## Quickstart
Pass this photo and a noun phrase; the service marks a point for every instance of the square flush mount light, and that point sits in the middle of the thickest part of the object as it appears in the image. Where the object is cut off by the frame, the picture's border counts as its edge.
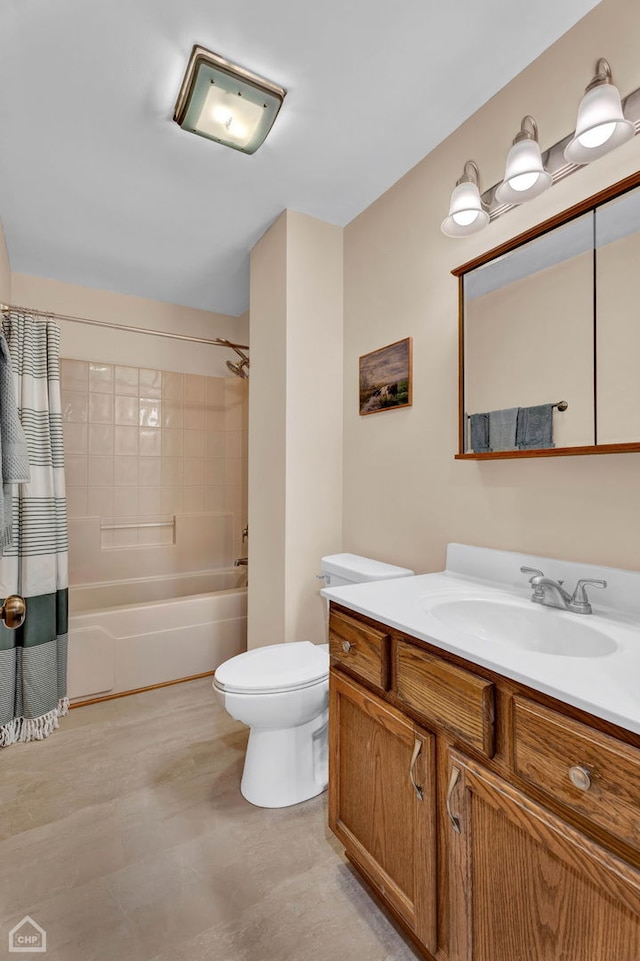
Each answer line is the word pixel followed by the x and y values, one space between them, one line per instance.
pixel 226 103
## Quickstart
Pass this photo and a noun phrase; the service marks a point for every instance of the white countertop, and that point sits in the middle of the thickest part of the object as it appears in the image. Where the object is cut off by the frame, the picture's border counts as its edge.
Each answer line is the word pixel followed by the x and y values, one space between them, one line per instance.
pixel 607 686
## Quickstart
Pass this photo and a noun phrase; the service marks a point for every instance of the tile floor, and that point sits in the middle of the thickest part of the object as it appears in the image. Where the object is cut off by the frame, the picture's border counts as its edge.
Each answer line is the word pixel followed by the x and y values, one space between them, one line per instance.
pixel 125 836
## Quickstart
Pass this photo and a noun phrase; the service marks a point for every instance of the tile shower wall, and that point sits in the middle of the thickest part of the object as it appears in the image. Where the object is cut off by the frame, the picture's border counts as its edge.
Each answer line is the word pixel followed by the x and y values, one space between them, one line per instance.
pixel 145 445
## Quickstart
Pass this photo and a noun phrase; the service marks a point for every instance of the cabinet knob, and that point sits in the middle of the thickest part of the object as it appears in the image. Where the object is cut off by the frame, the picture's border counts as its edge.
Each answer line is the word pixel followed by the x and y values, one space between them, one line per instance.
pixel 346 646
pixel 580 777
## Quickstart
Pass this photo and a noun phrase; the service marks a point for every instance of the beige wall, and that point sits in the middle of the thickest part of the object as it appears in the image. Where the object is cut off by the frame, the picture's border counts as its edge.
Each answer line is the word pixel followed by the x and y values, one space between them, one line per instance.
pixel 314 416
pixel 5 271
pixel 295 425
pixel 405 496
pixel 83 342
pixel 267 438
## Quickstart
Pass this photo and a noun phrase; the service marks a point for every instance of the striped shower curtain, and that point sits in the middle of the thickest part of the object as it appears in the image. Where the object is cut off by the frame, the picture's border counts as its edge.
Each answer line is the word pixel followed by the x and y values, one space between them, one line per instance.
pixel 33 659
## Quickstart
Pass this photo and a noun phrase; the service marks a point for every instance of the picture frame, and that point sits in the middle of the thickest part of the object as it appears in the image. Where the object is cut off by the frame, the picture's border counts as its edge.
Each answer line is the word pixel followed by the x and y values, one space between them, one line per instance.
pixel 385 381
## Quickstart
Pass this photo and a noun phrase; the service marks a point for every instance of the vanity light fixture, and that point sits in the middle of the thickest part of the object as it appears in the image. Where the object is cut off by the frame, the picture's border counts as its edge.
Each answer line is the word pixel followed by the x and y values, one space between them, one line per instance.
pixel 601 125
pixel 466 210
pixel 226 103
pixel 525 176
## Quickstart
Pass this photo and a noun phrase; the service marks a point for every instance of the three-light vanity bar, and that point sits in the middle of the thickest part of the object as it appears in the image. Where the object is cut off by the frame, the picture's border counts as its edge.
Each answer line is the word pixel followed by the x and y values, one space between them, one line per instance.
pixel 604 122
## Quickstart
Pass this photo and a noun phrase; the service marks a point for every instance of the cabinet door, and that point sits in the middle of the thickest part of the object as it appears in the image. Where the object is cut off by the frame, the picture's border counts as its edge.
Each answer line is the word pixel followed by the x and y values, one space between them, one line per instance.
pixel 381 800
pixel 525 885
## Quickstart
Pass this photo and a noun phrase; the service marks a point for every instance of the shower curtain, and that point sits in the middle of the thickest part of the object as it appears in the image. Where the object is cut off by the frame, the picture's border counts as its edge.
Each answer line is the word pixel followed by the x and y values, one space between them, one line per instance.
pixel 33 659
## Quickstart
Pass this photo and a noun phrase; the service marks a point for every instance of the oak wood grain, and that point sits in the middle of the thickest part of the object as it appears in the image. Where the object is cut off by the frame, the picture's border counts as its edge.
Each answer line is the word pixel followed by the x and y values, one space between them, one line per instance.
pixel 447 696
pixel 85 702
pixel 552 451
pixel 373 807
pixel 462 420
pixel 546 745
pixel 359 648
pixel 526 885
pixel 535 874
pixel 361 869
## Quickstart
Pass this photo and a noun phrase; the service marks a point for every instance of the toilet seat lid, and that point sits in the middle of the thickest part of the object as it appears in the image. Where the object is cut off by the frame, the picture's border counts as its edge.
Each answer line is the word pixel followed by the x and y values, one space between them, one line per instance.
pixel 280 667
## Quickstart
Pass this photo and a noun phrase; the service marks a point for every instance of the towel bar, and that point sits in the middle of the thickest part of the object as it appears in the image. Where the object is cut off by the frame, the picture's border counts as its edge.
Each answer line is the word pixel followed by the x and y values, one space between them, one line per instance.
pixel 562 405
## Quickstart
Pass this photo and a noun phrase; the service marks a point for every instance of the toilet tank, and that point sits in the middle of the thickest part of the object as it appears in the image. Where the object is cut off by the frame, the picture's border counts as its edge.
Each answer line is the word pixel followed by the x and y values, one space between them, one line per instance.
pixel 338 569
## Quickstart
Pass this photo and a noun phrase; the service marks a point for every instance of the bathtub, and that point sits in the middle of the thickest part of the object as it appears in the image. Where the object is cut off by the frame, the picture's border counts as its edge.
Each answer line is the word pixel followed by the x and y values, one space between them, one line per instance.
pixel 127 635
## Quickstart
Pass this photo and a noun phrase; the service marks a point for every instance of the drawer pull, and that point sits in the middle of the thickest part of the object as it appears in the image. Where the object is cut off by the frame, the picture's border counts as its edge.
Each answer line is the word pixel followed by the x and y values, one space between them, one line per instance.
pixel 347 646
pixel 453 780
pixel 580 777
pixel 417 747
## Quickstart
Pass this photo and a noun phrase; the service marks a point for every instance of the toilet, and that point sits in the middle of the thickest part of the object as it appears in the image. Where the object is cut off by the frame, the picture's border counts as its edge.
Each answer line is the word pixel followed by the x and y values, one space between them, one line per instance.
pixel 282 693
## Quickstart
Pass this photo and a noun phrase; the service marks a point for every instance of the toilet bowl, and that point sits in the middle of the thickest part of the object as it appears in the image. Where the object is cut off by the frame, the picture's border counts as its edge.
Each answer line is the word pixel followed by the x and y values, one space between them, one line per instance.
pixel 282 693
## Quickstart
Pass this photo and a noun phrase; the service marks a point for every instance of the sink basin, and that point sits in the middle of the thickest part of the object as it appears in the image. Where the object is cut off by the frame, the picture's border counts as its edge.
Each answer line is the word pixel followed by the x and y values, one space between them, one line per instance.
pixel 523 625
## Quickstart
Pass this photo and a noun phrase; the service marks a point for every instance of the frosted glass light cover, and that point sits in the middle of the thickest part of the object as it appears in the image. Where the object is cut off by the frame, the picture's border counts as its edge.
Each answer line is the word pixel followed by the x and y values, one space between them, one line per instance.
pixel 228 118
pixel 600 127
pixel 524 176
pixel 226 103
pixel 466 214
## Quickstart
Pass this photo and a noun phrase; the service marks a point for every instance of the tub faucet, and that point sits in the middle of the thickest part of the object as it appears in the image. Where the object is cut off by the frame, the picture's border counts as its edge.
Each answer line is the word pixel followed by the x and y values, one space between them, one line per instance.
pixel 241 562
pixel 552 594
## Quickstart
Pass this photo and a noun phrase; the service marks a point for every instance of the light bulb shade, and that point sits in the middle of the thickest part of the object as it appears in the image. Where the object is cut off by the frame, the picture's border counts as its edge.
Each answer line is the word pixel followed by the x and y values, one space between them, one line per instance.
pixel 226 103
pixel 466 213
pixel 600 127
pixel 524 176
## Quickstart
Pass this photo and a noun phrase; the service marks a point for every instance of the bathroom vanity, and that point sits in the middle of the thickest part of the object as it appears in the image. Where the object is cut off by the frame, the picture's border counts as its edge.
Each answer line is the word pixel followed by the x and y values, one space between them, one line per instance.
pixel 489 791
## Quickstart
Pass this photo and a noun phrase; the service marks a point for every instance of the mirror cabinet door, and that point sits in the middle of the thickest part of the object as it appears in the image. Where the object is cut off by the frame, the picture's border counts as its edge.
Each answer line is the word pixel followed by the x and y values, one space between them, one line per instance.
pixel 529 344
pixel 617 237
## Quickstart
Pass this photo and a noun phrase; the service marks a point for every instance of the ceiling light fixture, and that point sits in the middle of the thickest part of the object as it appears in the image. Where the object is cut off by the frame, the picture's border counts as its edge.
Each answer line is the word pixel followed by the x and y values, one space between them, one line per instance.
pixel 226 103
pixel 466 211
pixel 524 176
pixel 601 126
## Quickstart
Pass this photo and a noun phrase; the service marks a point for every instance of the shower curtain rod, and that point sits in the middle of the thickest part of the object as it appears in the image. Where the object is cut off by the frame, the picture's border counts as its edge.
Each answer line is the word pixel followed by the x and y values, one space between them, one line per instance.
pixel 215 342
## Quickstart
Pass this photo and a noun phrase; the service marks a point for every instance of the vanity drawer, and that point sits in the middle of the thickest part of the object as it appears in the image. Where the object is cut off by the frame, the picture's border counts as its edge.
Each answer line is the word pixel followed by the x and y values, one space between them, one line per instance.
pixel 590 772
pixel 446 695
pixel 360 648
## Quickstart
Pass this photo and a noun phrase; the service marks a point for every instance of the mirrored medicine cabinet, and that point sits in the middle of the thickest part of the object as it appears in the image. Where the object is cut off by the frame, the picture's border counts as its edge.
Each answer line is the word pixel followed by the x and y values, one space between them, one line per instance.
pixel 549 328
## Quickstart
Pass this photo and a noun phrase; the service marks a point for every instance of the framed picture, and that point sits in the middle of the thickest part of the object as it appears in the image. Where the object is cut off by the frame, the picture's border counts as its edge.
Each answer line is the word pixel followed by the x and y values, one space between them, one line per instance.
pixel 385 378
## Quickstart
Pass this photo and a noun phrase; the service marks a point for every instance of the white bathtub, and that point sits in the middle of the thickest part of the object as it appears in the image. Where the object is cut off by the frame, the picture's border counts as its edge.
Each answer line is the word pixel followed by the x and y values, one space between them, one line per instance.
pixel 127 635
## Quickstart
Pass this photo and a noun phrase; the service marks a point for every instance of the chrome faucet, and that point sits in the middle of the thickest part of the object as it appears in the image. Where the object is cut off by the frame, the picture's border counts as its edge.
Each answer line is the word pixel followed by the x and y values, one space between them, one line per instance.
pixel 552 594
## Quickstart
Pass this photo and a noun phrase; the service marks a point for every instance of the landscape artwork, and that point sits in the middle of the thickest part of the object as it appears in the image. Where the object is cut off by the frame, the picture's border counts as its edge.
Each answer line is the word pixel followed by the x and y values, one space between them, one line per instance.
pixel 385 378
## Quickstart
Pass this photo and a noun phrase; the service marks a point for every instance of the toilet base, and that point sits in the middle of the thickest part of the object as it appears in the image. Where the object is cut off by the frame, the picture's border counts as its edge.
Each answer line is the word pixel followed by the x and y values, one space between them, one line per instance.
pixel 285 767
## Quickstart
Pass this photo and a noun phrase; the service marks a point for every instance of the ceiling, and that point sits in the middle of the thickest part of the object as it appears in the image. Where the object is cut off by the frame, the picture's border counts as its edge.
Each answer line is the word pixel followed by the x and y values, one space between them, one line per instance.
pixel 99 187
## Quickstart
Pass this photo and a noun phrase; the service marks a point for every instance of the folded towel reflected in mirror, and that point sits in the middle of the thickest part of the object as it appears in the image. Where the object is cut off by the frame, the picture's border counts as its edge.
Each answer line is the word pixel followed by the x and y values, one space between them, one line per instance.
pixel 479 433
pixel 514 428
pixel 502 428
pixel 535 427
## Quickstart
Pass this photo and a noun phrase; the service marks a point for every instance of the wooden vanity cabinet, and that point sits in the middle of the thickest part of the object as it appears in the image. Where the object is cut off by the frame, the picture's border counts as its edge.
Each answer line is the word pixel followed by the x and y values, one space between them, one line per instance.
pixel 525 843
pixel 526 886
pixel 382 801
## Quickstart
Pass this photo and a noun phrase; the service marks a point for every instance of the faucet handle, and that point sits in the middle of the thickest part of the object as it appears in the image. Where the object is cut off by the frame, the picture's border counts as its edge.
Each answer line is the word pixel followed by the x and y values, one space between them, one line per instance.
pixel 580 602
pixel 538 591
